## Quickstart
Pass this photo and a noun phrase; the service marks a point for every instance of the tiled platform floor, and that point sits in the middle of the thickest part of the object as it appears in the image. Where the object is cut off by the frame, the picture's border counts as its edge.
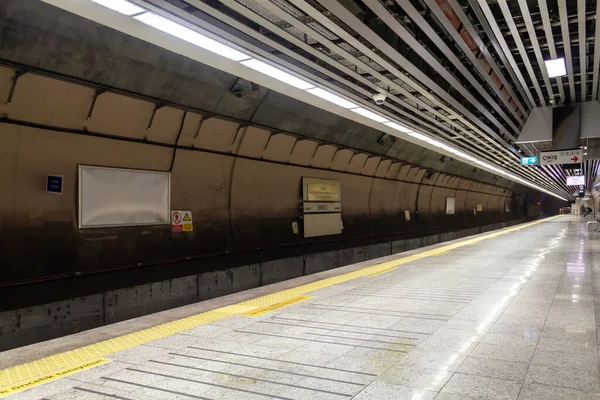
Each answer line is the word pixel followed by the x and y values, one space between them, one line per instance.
pixel 512 317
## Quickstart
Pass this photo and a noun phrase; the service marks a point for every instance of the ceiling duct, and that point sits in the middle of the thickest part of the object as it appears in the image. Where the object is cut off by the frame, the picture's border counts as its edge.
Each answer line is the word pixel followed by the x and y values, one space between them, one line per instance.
pixel 564 126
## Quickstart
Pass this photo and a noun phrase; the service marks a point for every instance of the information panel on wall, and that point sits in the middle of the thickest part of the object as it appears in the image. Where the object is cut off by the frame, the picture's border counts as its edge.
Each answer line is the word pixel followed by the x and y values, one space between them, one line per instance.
pixel 112 197
pixel 322 207
pixel 450 202
pixel 321 190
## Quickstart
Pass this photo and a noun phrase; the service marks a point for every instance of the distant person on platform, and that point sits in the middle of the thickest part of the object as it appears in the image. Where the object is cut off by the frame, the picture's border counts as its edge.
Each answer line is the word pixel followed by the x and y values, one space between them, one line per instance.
pixel 588 211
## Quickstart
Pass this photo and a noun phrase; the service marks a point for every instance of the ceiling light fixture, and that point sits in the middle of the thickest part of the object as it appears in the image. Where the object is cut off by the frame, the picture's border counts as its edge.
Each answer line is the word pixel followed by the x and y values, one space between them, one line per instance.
pixel 193 37
pixel 397 127
pixel 122 6
pixel 556 67
pixel 333 98
pixel 277 74
pixel 369 114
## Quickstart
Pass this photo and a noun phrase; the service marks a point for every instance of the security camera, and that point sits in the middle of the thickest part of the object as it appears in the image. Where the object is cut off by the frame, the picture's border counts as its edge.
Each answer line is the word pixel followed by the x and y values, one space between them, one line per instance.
pixel 379 98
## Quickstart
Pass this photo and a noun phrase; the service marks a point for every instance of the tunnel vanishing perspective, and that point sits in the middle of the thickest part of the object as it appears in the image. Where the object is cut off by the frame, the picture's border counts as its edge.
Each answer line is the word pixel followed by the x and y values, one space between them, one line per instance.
pixel 298 199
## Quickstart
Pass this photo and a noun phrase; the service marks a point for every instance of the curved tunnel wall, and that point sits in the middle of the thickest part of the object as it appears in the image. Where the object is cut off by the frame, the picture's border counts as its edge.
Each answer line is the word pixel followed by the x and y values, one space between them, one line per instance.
pixel 242 183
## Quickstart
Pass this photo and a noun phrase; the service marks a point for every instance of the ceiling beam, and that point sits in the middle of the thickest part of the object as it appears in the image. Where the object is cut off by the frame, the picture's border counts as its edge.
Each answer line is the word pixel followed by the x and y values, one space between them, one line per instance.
pixel 596 55
pixel 517 38
pixel 536 47
pixel 582 48
pixel 564 27
pixel 488 57
pixel 496 36
pixel 414 14
pixel 551 46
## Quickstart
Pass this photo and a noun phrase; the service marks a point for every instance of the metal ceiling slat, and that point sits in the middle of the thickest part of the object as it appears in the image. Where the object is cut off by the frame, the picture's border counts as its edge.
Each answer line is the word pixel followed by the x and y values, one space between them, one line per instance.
pixel 267 55
pixel 440 43
pixel 343 53
pixel 249 14
pixel 484 50
pixel 358 26
pixel 381 46
pixel 517 38
pixel 351 21
pixel 582 48
pixel 536 46
pixel 596 54
pixel 551 47
pixel 504 50
pixel 344 35
pixel 564 26
pixel 408 38
pixel 273 28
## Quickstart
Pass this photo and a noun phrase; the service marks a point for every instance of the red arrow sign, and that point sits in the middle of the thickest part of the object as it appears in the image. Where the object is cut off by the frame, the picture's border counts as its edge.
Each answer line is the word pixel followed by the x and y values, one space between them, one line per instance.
pixel 575 159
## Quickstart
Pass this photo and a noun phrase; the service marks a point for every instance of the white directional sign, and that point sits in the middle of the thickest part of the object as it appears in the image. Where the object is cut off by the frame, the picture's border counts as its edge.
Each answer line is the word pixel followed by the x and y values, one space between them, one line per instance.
pixel 561 157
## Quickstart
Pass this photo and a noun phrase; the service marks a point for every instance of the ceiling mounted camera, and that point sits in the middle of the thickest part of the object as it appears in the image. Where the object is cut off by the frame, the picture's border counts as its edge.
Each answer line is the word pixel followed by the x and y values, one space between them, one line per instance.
pixel 379 98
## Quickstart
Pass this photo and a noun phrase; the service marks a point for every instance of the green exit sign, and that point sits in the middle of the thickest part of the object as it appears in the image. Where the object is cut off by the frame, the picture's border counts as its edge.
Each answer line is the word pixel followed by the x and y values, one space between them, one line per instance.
pixel 529 161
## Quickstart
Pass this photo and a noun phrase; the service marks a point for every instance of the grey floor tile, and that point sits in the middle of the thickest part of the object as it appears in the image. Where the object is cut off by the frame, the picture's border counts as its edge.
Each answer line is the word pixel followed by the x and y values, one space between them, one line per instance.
pixel 419 378
pixel 513 352
pixel 430 360
pixel 510 339
pixel 175 342
pixel 482 387
pixel 571 346
pixel 569 334
pixel 469 325
pixel 526 331
pixel 510 370
pixel 385 391
pixel 373 366
pixel 566 377
pixel 522 320
pixel 138 354
pixel 546 392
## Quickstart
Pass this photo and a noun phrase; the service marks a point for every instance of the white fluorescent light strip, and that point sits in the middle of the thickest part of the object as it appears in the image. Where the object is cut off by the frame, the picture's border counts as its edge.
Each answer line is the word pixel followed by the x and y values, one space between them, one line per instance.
pixel 333 98
pixel 369 114
pixel 434 142
pixel 277 74
pixel 397 127
pixel 121 6
pixel 556 67
pixel 193 37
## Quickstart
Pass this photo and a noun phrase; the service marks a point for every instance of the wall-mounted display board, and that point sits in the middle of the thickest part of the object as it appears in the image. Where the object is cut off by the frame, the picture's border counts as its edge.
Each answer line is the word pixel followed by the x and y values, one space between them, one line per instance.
pixel 112 197
pixel 450 203
pixel 322 207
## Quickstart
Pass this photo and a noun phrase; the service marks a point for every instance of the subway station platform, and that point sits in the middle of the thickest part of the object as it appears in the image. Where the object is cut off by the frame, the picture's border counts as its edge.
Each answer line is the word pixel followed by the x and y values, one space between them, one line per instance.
pixel 503 315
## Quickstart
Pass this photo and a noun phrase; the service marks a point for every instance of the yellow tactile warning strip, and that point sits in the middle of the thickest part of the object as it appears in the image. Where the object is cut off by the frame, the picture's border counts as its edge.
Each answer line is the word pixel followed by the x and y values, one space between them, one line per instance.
pixel 382 272
pixel 50 377
pixel 34 370
pixel 276 306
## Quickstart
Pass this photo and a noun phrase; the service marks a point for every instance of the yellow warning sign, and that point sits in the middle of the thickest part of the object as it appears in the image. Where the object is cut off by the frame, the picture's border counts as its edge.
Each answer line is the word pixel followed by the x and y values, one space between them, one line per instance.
pixel 182 221
pixel 276 306
pixel 50 377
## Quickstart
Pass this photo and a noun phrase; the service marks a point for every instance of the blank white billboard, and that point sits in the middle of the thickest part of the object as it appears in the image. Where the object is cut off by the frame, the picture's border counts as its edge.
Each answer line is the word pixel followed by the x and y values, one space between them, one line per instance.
pixel 111 197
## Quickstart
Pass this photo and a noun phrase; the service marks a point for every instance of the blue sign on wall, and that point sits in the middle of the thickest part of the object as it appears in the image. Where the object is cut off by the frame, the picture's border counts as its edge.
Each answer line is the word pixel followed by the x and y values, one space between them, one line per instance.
pixel 54 184
pixel 529 161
